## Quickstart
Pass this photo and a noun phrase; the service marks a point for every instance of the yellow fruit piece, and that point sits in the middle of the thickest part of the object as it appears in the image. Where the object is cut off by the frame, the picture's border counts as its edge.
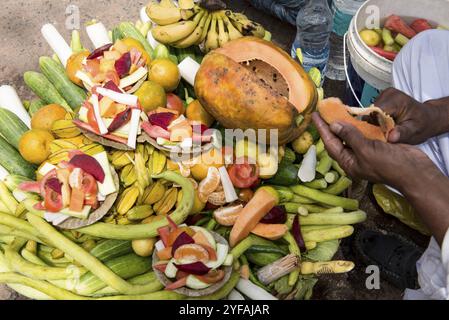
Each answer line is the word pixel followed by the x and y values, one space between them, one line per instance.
pixel 128 175
pixel 78 141
pixel 198 205
pixel 163 206
pixel 302 144
pixel 144 247
pixel 370 37
pixel 154 193
pixel 92 149
pixel 75 64
pixel 152 219
pixel 62 155
pixel 60 144
pixel 46 116
pixel 34 145
pixel 127 200
pixel 119 159
pixel 166 73
pixel 196 112
pixel 211 158
pixel 157 162
pixel 209 184
pixel 65 129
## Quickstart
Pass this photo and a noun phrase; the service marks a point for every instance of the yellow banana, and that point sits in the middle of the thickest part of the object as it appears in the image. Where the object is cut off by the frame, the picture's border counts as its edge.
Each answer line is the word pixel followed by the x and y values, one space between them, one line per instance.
pixel 232 31
pixel 163 15
pixel 195 36
pixel 205 29
pixel 245 26
pixel 169 34
pixel 186 4
pixel 223 36
pixel 167 4
pixel 212 36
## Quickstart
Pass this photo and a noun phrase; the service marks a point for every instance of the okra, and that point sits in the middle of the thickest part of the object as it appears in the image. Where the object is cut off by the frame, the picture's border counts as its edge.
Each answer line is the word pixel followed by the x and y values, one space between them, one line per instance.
pixel 316 184
pixel 302 200
pixel 338 187
pixel 331 177
pixel 294 207
pixel 328 234
pixel 320 147
pixel 337 168
pixel 294 249
pixel 324 164
pixel 326 198
pixel 333 218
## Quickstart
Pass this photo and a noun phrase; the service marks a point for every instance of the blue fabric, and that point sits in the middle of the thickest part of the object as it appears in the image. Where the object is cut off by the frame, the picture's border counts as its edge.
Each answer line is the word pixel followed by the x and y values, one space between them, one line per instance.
pixel 285 10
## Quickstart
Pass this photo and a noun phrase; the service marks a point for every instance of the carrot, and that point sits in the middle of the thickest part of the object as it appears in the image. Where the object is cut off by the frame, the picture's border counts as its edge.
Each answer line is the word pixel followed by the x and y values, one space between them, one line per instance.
pixel 77 200
pixel 263 201
pixel 270 231
pixel 165 254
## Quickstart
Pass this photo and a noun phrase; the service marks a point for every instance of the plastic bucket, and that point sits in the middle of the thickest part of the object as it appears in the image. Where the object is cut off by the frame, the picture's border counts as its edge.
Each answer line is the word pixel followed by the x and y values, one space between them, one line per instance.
pixel 372 68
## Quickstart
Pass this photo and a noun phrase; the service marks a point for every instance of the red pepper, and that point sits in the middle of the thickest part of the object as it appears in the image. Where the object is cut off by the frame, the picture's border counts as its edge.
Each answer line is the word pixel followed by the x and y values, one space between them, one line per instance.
pixel 386 54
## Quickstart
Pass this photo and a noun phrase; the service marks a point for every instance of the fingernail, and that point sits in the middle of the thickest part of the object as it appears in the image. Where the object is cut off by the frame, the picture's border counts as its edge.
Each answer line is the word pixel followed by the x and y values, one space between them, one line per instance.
pixel 336 127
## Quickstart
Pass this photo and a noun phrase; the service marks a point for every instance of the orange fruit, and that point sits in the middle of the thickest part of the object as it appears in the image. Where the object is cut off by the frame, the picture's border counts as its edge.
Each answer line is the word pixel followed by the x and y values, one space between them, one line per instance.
pixel 192 252
pixel 211 158
pixel 196 112
pixel 166 73
pixel 75 64
pixel 34 145
pixel 44 117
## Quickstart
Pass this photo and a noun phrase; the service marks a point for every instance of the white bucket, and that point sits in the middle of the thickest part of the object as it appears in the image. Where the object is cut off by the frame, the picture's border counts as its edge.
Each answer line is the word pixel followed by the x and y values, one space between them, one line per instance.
pixel 374 69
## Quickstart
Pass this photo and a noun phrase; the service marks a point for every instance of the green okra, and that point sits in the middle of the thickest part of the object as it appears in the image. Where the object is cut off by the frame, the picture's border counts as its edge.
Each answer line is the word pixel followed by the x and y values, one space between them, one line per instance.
pixel 326 198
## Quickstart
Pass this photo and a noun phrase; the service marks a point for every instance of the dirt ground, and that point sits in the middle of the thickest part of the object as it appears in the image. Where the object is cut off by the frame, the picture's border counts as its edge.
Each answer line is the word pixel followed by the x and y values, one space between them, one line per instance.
pixel 21 21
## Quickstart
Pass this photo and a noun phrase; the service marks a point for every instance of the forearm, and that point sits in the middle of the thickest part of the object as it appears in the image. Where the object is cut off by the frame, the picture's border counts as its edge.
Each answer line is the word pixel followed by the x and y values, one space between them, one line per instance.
pixel 439 120
pixel 428 193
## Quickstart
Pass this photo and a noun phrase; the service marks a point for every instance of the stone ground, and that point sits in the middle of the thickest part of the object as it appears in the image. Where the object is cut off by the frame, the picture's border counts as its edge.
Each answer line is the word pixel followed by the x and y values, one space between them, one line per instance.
pixel 20 22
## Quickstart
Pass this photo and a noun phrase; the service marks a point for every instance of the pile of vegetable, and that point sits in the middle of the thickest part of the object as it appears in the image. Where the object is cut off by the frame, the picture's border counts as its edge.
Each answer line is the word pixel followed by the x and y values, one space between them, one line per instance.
pixel 244 222
pixel 396 33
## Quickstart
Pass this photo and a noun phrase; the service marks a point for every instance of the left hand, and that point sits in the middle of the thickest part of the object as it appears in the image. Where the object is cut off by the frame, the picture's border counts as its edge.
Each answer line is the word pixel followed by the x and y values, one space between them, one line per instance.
pixel 397 165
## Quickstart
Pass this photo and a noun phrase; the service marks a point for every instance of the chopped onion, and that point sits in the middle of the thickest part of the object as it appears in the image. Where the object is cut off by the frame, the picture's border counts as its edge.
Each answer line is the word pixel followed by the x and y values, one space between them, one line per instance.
pixel 122 98
pixel 9 99
pixel 235 295
pixel 228 187
pixel 134 128
pixel 101 126
pixel 98 34
pixel 57 43
pixel 188 69
pixel 133 78
pixel 252 291
pixel 307 171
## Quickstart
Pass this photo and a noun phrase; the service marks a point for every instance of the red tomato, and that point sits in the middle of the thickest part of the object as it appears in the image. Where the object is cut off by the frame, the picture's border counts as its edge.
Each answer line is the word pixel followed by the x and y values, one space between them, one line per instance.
pixel 213 276
pixel 175 103
pixel 52 200
pixel 243 175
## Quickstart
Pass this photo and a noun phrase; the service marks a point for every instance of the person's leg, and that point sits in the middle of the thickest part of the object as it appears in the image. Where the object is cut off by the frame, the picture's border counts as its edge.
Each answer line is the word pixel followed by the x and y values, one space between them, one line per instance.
pixel 421 70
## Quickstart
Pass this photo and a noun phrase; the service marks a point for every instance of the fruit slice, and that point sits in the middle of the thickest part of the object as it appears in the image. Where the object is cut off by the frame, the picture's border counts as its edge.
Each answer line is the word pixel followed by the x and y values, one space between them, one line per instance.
pixel 190 253
pixel 270 231
pixel 89 165
pixel 333 110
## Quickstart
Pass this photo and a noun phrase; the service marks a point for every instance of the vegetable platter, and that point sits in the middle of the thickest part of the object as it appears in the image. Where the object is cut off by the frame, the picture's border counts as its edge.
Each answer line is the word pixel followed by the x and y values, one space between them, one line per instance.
pixel 94 207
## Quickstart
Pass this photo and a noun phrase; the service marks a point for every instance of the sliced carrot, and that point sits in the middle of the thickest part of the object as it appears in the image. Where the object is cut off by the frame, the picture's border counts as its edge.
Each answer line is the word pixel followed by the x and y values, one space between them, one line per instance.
pixel 177 284
pixel 165 254
pixel 263 201
pixel 270 231
pixel 77 200
pixel 192 252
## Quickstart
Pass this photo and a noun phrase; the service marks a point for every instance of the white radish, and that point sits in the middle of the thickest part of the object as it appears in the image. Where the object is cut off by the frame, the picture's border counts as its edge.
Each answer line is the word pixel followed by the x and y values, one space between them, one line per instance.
pixel 134 127
pixel 9 99
pixel 97 113
pixel 98 34
pixel 188 69
pixel 57 43
pixel 307 170
pixel 3 173
pixel 133 78
pixel 235 295
pixel 122 98
pixel 252 291
pixel 228 187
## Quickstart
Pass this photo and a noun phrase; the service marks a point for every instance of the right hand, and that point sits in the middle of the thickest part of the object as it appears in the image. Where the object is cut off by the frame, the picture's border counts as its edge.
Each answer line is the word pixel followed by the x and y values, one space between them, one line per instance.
pixel 415 122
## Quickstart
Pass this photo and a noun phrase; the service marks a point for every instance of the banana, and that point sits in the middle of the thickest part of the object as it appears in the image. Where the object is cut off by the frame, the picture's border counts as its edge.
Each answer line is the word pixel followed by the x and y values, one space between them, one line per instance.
pixel 212 36
pixel 186 4
pixel 169 34
pixel 195 36
pixel 163 15
pixel 60 144
pixel 167 4
pixel 232 31
pixel 245 26
pixel 205 29
pixel 223 36
pixel 127 200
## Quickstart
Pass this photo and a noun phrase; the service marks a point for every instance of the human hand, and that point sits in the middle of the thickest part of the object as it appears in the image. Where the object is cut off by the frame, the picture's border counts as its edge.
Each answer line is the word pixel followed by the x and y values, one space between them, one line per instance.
pixel 397 165
pixel 415 122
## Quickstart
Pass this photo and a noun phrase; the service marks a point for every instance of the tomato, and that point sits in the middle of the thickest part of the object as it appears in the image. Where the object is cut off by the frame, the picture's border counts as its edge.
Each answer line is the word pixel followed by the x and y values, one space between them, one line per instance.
pixel 243 175
pixel 52 200
pixel 213 276
pixel 164 234
pixel 175 103
pixel 245 195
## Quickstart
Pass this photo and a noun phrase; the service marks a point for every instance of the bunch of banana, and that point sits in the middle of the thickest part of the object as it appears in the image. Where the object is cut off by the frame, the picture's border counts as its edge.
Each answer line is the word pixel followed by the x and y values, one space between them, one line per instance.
pixel 187 25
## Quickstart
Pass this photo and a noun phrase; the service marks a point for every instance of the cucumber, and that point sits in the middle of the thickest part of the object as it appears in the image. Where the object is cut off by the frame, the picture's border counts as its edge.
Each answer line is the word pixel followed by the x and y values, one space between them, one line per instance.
pixel 13 162
pixel 110 249
pixel 35 105
pixel 287 175
pixel 44 89
pixel 11 127
pixel 125 267
pixel 261 259
pixel 56 73
pixel 128 30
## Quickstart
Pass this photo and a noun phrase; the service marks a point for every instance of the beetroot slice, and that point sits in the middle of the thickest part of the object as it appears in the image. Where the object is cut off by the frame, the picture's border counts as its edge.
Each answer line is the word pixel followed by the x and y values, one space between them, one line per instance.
pixel 162 119
pixel 196 268
pixel 296 232
pixel 277 215
pixel 120 120
pixel 123 65
pixel 89 165
pixel 99 52
pixel 181 240
pixel 54 184
pixel 110 85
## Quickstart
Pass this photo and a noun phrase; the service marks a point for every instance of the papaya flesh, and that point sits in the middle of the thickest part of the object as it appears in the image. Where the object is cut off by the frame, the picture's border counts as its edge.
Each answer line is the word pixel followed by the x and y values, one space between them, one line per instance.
pixel 333 110
pixel 250 83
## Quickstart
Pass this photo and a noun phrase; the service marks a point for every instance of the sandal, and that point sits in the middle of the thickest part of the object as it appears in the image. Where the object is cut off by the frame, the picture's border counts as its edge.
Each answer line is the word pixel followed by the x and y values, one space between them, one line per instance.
pixel 395 256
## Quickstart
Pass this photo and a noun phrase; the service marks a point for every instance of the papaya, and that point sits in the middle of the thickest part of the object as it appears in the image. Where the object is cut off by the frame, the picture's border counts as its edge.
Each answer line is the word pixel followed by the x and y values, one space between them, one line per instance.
pixel 333 110
pixel 250 83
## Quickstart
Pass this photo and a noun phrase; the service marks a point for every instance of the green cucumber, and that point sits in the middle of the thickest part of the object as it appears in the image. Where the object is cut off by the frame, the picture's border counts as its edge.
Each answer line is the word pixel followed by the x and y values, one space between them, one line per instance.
pixel 125 267
pixel 44 89
pixel 11 127
pixel 35 105
pixel 287 175
pixel 110 249
pixel 13 162
pixel 261 259
pixel 57 75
